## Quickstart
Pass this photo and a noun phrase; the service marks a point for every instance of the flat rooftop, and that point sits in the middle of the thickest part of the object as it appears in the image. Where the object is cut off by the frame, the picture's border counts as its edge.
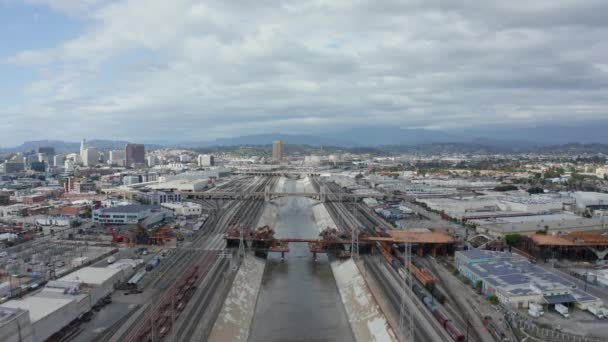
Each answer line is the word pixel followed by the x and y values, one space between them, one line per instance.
pixel 39 307
pixel 515 275
pixel 594 238
pixel 90 275
pixel 131 208
pixel 420 237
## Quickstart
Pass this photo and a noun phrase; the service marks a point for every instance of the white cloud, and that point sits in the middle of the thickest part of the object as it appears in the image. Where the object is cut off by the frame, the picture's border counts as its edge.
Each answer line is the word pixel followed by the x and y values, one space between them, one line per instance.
pixel 192 69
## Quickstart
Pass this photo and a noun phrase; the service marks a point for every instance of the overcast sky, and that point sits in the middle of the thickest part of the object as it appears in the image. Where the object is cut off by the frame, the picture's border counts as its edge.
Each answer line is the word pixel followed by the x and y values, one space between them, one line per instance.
pixel 178 70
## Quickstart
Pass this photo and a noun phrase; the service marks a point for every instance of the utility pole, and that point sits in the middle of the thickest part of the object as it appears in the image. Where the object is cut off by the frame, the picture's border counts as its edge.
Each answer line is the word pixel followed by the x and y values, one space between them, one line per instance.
pixel 241 255
pixel 406 318
pixel 355 237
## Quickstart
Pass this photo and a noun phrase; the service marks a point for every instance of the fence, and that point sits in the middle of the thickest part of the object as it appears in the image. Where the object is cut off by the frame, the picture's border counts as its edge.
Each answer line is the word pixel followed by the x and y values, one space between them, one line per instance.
pixel 546 334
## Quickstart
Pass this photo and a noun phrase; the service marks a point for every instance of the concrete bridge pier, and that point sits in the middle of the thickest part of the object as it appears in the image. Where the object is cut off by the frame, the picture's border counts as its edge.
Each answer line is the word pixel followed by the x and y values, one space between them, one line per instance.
pixel 267 193
pixel 323 193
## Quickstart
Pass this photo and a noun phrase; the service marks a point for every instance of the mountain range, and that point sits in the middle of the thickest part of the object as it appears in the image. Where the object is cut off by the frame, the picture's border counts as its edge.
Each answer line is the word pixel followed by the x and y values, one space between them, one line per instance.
pixel 491 136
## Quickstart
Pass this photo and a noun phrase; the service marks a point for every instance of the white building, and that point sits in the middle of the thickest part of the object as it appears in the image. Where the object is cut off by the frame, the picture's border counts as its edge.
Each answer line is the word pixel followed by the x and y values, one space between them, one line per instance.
pixel 59 160
pixel 151 161
pixel 183 208
pixel 127 214
pixel 90 156
pixel 206 160
pixel 117 157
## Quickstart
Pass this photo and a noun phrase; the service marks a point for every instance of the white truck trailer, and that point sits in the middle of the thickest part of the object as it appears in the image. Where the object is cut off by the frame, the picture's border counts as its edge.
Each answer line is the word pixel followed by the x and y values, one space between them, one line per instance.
pixel 562 309
pixel 535 310
pixel 596 311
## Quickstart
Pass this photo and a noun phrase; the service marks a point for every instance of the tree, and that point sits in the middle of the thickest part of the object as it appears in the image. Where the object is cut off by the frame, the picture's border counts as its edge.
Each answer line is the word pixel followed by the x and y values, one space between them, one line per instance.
pixel 513 239
pixel 493 299
pixel 535 190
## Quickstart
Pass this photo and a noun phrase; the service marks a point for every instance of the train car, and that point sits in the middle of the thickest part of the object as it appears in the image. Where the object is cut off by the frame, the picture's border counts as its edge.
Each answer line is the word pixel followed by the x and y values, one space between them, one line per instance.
pixel 150 265
pixel 418 291
pixel 428 302
pixel 440 316
pixel 436 293
pixel 396 264
pixel 454 333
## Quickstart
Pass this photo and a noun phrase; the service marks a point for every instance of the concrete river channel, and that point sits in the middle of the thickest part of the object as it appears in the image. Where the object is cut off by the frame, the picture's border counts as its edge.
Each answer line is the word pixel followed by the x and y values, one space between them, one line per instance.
pixel 298 299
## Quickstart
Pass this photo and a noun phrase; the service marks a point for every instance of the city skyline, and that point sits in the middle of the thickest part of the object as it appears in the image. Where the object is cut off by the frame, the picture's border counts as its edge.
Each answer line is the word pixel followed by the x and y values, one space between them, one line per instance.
pixel 77 68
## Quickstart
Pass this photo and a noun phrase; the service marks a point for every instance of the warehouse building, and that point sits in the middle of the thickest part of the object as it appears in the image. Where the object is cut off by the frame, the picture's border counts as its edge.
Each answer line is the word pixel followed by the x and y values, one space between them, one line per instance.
pixel 61 301
pixel 530 224
pixel 48 315
pixel 15 326
pixel 97 281
pixel 516 282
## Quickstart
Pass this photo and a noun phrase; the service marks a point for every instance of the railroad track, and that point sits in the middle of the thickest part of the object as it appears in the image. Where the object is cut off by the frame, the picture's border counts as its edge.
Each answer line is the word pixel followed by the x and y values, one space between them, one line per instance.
pixel 197 308
pixel 209 240
pixel 389 282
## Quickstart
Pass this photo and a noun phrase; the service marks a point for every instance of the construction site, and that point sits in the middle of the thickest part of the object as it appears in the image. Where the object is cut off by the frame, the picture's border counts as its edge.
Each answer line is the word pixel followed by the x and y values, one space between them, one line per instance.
pixel 270 257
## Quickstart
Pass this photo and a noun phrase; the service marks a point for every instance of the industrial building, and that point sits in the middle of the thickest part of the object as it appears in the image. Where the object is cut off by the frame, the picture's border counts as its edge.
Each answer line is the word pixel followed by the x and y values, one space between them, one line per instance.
pixel 15 325
pixel 59 303
pixel 126 214
pixel 517 282
pixel 47 315
pixel 530 224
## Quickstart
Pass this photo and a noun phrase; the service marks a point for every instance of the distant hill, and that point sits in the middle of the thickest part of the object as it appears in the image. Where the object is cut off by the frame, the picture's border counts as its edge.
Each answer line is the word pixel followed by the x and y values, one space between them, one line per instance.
pixel 266 139
pixel 496 137
pixel 507 137
pixel 70 147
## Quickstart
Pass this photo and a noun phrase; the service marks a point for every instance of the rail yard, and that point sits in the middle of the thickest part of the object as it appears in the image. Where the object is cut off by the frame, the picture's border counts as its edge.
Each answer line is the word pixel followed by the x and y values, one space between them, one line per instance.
pixel 177 283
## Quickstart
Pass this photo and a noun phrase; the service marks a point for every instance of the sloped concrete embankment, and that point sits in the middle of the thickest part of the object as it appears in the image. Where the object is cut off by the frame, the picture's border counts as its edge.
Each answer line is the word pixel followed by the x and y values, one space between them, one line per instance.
pixel 367 320
pixel 236 316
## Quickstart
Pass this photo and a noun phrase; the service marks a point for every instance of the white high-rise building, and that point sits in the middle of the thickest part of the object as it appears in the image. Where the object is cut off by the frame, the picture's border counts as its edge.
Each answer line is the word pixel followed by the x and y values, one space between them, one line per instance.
pixel 59 160
pixel 117 157
pixel 206 160
pixel 151 161
pixel 83 146
pixel 90 157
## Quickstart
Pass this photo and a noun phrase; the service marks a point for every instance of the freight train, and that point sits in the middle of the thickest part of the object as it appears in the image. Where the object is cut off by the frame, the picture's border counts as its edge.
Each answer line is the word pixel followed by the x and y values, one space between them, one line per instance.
pixel 429 300
pixel 423 276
